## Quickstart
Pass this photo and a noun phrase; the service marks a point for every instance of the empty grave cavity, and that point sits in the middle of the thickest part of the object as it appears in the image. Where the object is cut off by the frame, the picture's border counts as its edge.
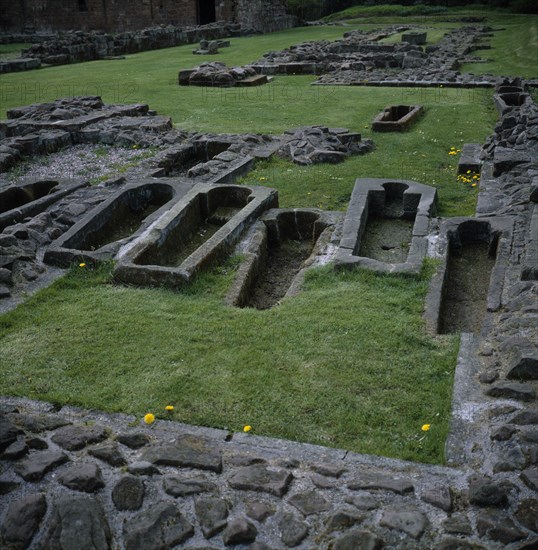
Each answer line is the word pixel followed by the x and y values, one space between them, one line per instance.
pixel 179 162
pixel 472 251
pixel 20 201
pixel 386 225
pixel 507 101
pixel 198 231
pixel 389 230
pixel 397 118
pixel 279 249
pixel 200 220
pixel 16 196
pixel 122 217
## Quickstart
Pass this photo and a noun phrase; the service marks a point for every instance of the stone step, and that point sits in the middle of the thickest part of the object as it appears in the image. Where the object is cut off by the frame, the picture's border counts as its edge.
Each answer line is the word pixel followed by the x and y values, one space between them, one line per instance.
pixel 257 80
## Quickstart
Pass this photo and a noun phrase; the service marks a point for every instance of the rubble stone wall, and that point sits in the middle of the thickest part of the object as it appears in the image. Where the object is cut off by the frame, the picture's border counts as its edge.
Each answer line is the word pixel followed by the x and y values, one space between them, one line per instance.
pixel 121 15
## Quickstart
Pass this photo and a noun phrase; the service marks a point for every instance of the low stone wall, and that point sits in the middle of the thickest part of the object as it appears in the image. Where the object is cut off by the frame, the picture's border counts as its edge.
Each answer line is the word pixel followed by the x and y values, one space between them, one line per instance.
pixel 360 59
pixel 72 47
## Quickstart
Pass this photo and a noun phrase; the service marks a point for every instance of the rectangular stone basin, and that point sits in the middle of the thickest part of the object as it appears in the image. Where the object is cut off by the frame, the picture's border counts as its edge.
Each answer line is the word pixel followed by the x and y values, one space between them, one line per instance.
pixel 32 197
pixel 99 235
pixel 505 102
pixel 386 225
pixel 469 282
pixel 277 252
pixel 397 118
pixel 198 231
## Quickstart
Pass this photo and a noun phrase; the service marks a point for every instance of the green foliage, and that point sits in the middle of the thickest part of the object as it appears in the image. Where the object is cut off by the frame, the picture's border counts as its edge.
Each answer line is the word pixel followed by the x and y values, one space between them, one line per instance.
pixel 386 10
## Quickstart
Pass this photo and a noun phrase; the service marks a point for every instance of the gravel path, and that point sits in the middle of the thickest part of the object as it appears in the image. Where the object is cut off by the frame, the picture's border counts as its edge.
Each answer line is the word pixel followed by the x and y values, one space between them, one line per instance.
pixel 98 162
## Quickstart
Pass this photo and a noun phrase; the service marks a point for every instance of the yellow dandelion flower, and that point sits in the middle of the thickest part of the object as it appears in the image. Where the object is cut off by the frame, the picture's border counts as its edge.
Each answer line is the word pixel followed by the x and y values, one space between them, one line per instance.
pixel 82 264
pixel 169 408
pixel 247 428
pixel 474 185
pixel 149 418
pixel 426 427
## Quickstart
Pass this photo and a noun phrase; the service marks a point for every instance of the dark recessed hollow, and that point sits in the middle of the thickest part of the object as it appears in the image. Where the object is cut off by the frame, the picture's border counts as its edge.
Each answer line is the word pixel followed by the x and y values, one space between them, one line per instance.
pixel 276 253
pixel 514 99
pixel 291 238
pixel 472 250
pixel 186 158
pixel 201 219
pixel 509 89
pixel 16 196
pixel 389 226
pixel 123 217
pixel 397 118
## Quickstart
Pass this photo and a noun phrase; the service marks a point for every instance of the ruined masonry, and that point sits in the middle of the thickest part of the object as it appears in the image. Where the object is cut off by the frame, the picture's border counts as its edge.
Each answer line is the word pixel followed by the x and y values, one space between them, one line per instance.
pixel 72 478
pixel 129 15
pixel 72 475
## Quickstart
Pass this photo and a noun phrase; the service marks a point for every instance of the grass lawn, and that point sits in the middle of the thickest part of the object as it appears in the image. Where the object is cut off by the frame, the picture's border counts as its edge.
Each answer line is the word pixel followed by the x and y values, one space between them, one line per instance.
pixel 12 51
pixel 297 371
pixel 318 368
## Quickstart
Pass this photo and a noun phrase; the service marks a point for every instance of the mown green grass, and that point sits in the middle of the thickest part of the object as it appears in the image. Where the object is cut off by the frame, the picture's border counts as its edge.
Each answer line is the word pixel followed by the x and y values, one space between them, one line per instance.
pixel 320 368
pixel 347 363
pixel 452 117
pixel 514 49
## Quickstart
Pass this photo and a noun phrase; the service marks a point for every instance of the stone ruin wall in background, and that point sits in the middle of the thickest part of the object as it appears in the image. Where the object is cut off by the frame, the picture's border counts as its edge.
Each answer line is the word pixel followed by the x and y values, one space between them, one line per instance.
pixel 122 15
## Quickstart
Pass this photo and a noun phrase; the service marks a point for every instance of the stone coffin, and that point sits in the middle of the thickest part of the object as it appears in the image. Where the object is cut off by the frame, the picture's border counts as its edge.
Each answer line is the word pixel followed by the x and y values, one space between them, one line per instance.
pixel 198 231
pixel 371 198
pixel 264 248
pixel 417 38
pixel 32 197
pixel 455 234
pixel 100 233
pixel 505 102
pixel 397 118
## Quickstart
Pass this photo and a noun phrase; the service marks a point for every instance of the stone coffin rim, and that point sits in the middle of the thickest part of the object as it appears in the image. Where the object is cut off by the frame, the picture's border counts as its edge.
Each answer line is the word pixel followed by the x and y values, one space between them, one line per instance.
pixel 502 226
pixel 65 186
pixel 357 217
pixel 59 254
pixel 255 242
pixel 400 125
pixel 128 271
